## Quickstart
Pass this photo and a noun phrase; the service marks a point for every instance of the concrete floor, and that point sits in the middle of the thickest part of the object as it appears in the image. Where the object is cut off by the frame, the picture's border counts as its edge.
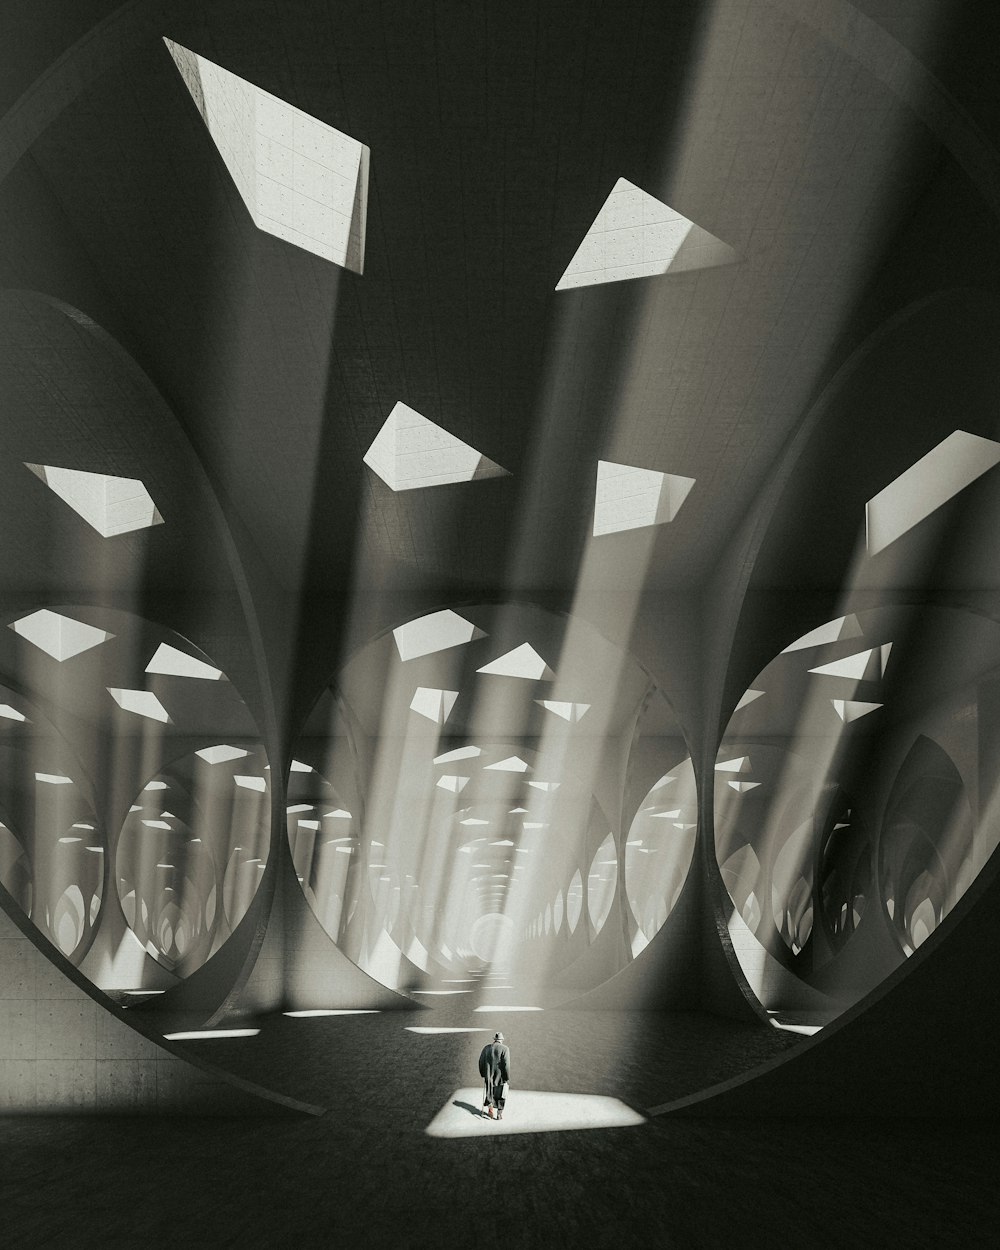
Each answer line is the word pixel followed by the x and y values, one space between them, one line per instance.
pixel 367 1173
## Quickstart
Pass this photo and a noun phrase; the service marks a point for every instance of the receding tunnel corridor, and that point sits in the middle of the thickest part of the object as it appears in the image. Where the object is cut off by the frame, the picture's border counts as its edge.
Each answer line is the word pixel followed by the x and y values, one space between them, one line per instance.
pixel 498 550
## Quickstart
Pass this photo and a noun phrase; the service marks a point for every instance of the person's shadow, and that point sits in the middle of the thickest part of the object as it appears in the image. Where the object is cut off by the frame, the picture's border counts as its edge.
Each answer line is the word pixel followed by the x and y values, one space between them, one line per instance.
pixel 467 1106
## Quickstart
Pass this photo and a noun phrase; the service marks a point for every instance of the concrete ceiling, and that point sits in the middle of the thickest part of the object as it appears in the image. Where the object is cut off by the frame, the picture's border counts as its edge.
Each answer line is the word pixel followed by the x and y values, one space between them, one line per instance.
pixel 496 135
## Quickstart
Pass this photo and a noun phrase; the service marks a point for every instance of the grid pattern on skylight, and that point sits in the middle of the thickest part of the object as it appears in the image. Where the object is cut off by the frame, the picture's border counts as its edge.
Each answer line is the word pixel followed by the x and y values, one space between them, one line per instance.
pixel 302 180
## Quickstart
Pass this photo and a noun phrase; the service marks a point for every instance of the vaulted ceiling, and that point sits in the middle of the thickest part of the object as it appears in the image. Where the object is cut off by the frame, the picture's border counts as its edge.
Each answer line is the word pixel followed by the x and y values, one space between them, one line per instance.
pixel 496 135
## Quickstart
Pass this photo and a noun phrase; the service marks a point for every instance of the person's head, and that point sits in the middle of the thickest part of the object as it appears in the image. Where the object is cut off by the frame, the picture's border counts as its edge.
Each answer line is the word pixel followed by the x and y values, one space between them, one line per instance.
pixel 498 1037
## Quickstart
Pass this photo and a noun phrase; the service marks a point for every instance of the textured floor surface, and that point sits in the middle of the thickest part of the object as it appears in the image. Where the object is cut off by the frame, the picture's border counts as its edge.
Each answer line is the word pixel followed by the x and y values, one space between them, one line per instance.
pixel 367 1173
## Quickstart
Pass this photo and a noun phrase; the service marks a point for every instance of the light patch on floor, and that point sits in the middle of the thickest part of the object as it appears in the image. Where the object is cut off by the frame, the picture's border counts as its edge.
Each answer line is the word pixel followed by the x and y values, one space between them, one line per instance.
pixel 429 1029
pixel 332 1011
pixel 507 1007
pixel 200 1034
pixel 530 1111
pixel 808 1030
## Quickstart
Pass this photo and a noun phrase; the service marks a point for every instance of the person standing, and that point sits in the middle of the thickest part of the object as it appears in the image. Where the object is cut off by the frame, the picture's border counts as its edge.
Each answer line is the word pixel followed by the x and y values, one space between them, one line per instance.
pixel 494 1068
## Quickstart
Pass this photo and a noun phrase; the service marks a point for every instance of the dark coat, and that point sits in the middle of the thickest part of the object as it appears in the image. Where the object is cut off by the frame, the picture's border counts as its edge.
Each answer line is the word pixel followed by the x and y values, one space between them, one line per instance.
pixel 494 1068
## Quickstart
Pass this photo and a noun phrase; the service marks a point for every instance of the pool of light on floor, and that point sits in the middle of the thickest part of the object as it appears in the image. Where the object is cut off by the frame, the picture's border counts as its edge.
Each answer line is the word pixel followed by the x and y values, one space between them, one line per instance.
pixel 530 1111
pixel 419 1028
pixel 332 1011
pixel 202 1034
pixel 506 1007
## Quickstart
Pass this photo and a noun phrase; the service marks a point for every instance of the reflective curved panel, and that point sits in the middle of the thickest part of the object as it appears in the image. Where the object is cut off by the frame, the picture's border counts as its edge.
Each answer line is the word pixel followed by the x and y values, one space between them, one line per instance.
pixel 876 721
pixel 120 749
pixel 191 854
pixel 926 848
pixel 659 849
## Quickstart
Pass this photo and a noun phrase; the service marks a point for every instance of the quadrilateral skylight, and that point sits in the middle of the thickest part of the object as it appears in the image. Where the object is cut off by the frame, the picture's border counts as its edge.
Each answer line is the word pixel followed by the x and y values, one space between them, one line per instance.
pixel 302 180
pixel 251 783
pixel 630 498
pixel 435 632
pixel 220 754
pixel 59 636
pixel 434 704
pixel 636 235
pixel 410 452
pixel 950 467
pixel 141 702
pixel 53 779
pixel 461 753
pixel 524 661
pixel 455 785
pixel 173 663
pixel 112 505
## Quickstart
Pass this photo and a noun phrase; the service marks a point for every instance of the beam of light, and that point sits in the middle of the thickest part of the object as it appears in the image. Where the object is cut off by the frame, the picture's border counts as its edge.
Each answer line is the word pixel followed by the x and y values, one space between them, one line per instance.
pixel 530 1111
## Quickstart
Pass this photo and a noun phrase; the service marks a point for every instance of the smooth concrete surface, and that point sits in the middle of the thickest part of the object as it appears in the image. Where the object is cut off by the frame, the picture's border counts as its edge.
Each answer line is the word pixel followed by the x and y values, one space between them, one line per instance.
pixel 61 1050
pixel 368 1174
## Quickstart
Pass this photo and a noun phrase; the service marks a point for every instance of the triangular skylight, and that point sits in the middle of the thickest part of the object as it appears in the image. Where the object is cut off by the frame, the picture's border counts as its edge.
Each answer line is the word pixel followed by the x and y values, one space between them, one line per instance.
pixel 141 702
pixel 947 469
pixel 173 663
pixel 856 666
pixel 220 754
pixel 547 786
pixel 749 697
pixel 629 498
pixel 739 765
pixel 524 661
pixel 410 452
pixel 297 766
pixel 112 505
pixel 59 636
pixel 851 709
pixel 741 787
pixel 434 704
pixel 338 813
pixel 301 180
pixel 435 632
pixel 11 713
pixel 637 236
pixel 460 753
pixel 833 631
pixel 512 764
pixel 566 711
